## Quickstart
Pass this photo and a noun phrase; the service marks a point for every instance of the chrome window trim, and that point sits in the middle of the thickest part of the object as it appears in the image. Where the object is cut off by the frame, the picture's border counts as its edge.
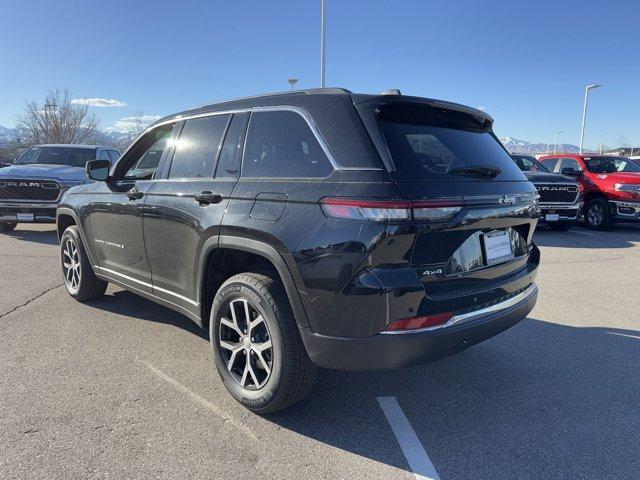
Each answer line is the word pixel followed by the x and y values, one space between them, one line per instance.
pixel 469 316
pixel 270 108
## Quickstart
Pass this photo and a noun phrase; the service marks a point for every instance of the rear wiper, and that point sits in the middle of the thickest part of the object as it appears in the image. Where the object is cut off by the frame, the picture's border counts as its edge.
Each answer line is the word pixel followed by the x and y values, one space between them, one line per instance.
pixel 476 171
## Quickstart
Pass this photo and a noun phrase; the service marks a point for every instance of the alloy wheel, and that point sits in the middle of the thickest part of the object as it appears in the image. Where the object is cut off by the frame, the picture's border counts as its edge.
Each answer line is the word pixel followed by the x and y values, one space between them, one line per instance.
pixel 71 265
pixel 595 214
pixel 246 346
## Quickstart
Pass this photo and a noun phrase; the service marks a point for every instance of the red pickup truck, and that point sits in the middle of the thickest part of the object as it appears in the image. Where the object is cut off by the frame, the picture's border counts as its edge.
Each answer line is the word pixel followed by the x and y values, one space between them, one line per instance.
pixel 611 186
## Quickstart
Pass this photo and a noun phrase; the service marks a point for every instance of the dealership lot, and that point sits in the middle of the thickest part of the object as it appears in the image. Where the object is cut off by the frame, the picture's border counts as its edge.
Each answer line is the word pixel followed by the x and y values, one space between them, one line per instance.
pixel 124 388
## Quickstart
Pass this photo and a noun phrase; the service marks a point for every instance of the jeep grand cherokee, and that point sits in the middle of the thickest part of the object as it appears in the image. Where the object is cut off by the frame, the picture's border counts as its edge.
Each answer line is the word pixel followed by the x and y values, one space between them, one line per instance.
pixel 317 228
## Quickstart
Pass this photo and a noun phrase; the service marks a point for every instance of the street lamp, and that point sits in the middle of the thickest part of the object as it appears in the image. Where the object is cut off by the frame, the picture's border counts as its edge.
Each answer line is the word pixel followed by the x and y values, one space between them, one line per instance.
pixel 323 43
pixel 47 122
pixel 292 82
pixel 584 111
pixel 555 141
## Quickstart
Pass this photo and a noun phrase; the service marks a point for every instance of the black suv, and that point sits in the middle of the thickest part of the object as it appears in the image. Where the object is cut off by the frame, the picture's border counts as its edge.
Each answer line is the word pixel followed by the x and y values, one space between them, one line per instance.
pixel 317 228
pixel 561 200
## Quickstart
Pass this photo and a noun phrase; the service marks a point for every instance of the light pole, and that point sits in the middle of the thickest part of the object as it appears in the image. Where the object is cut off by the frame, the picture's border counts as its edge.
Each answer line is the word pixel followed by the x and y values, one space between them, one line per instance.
pixel 584 111
pixel 292 82
pixel 47 122
pixel 323 43
pixel 555 141
pixel 601 142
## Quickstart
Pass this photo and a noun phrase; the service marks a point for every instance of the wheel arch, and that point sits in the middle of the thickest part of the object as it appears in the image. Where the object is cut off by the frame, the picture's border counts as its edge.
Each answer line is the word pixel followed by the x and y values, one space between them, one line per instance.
pixel 257 248
pixel 66 217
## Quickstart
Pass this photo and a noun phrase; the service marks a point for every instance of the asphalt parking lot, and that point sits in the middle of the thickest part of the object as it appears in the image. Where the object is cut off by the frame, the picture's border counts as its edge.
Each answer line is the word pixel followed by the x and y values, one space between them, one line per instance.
pixel 123 388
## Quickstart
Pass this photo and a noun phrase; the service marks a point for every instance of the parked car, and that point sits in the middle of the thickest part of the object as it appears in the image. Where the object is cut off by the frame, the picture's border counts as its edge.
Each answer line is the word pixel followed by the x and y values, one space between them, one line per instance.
pixel 31 188
pixel 611 186
pixel 317 228
pixel 561 199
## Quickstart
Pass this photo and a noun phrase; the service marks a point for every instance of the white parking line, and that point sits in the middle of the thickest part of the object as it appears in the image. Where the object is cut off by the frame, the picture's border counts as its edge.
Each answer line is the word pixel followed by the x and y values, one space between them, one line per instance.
pixel 582 233
pixel 413 450
pixel 198 399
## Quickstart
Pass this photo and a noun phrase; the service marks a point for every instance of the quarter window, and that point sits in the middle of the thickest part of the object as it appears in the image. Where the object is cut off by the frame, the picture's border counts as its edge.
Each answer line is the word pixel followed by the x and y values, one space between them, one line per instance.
pixel 281 144
pixel 197 147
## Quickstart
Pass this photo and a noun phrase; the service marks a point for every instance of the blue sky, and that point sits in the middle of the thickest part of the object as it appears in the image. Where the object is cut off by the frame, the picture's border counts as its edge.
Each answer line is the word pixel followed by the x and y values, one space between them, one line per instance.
pixel 526 62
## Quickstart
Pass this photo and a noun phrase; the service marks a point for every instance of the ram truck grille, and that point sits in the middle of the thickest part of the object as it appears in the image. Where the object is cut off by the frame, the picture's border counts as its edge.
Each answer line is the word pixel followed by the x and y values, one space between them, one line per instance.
pixel 39 190
pixel 553 193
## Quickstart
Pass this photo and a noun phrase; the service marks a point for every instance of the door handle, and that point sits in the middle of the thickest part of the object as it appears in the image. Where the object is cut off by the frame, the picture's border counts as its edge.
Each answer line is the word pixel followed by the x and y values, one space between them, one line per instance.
pixel 207 197
pixel 134 194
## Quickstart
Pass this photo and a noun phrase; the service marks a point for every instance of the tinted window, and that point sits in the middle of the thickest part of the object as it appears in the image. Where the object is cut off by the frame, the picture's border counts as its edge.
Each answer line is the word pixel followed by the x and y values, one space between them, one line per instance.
pixel 424 151
pixel 527 163
pixel 550 163
pixel 281 144
pixel 610 164
pixel 570 163
pixel 142 160
pixel 197 147
pixel 229 161
pixel 114 155
pixel 73 157
pixel 104 155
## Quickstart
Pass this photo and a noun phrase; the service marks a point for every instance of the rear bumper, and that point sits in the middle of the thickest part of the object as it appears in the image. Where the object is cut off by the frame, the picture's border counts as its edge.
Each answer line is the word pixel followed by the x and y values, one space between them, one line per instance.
pixel 22 212
pixel 387 351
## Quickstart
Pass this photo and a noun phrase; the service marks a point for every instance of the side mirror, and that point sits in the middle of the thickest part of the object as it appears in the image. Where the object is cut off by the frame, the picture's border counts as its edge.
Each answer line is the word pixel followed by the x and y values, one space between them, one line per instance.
pixel 98 170
pixel 571 172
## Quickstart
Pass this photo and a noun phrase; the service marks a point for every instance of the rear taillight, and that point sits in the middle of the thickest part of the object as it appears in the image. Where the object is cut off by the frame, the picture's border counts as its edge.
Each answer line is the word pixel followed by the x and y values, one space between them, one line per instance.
pixel 391 210
pixel 417 323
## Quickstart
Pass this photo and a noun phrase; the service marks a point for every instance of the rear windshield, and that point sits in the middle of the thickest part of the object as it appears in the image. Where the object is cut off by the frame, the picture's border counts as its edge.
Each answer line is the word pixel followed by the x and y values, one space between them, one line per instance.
pixel 610 164
pixel 73 157
pixel 443 146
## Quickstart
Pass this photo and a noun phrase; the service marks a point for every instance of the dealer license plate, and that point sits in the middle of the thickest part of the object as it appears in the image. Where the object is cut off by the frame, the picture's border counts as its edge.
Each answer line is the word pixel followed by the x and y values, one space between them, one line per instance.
pixel 552 217
pixel 497 247
pixel 24 217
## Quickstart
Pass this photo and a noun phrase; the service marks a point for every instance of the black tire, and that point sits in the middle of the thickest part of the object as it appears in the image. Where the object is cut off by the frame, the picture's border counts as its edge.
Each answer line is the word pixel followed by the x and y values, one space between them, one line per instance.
pixel 81 283
pixel 560 226
pixel 290 373
pixel 7 226
pixel 597 215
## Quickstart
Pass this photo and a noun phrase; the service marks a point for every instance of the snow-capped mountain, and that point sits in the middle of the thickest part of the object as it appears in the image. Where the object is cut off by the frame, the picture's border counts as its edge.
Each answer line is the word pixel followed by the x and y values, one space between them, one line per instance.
pixel 515 145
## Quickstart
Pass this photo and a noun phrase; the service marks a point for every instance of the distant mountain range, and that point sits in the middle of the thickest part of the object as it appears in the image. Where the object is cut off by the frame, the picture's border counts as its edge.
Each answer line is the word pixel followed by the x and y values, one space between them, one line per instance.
pixel 523 146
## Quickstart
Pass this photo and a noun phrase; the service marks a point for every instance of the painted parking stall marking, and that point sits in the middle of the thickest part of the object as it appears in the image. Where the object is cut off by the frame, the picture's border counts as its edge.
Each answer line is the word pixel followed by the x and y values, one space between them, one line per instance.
pixel 413 450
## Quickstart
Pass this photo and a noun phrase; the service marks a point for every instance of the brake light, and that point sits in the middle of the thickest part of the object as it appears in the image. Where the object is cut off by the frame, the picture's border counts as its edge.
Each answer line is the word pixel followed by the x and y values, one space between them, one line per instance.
pixel 391 210
pixel 416 323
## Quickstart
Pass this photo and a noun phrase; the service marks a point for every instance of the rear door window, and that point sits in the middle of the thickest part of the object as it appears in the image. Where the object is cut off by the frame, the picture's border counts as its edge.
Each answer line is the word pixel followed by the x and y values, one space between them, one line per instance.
pixel 104 155
pixel 571 163
pixel 551 164
pixel 425 147
pixel 197 147
pixel 281 144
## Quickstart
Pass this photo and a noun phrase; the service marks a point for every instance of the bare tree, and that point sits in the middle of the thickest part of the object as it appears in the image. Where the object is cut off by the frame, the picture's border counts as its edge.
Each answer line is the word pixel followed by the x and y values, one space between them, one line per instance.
pixel 58 120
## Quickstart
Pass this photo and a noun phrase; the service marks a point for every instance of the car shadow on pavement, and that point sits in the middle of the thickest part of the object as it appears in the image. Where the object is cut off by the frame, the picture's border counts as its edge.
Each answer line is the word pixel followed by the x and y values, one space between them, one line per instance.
pixel 541 400
pixel 123 302
pixel 46 237
pixel 622 236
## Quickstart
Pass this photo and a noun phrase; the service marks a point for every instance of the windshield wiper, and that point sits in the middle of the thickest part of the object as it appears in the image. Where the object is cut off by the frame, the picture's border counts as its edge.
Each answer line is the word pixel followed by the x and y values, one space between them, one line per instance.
pixel 478 171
